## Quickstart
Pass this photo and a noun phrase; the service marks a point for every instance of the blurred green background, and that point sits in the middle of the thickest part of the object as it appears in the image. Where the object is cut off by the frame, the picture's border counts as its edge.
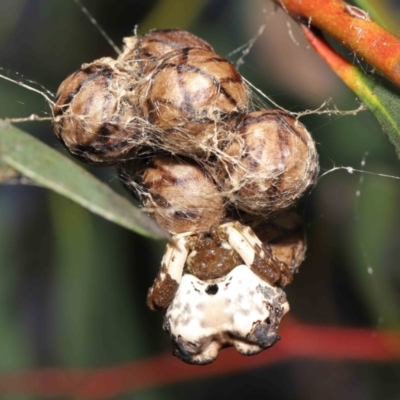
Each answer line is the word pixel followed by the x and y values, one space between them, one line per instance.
pixel 73 286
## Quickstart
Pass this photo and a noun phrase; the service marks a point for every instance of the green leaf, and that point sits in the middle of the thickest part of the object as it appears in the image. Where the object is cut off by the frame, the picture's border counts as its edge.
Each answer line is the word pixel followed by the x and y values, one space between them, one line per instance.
pixel 383 99
pixel 6 173
pixel 30 157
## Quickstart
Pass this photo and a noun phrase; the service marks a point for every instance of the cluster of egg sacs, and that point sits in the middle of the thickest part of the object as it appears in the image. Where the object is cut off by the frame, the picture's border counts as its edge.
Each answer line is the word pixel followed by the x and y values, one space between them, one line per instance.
pixel 175 117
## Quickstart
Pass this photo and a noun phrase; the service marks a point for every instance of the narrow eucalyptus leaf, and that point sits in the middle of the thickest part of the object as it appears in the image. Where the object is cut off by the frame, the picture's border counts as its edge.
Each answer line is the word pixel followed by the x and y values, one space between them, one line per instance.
pixel 383 99
pixel 6 172
pixel 25 154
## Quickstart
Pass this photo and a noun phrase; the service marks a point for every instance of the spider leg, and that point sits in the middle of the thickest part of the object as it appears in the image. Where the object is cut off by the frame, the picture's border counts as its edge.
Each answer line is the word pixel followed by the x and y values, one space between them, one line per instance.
pixel 169 276
pixel 255 254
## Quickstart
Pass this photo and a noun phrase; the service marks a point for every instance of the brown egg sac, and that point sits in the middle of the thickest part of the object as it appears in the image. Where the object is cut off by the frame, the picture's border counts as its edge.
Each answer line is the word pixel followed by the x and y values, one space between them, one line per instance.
pixel 147 50
pixel 95 115
pixel 177 193
pixel 270 165
pixel 193 100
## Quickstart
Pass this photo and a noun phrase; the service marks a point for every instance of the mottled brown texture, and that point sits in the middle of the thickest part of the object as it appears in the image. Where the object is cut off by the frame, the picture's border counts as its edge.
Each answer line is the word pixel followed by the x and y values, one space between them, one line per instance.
pixel 161 293
pixel 178 193
pixel 209 260
pixel 146 51
pixel 284 236
pixel 193 99
pixel 272 270
pixel 270 165
pixel 95 115
pixel 265 264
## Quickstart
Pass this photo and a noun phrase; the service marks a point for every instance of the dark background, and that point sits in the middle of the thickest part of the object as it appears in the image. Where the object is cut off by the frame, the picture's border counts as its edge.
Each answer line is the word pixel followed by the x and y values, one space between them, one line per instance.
pixel 73 286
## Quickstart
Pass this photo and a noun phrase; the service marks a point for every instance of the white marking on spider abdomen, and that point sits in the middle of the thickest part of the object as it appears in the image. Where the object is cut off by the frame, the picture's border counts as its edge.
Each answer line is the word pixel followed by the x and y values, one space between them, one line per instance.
pixel 240 310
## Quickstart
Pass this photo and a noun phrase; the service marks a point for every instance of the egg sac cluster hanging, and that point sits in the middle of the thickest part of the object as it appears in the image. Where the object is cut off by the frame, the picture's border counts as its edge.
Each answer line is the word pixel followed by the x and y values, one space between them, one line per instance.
pixel 176 119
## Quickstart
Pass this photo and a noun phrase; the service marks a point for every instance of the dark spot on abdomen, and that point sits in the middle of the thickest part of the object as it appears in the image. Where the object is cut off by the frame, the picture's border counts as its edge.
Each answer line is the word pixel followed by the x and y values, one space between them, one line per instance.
pixel 212 289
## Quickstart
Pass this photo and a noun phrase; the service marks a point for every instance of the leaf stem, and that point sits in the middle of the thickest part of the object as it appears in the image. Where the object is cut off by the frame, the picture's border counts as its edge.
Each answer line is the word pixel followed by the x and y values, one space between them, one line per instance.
pixel 353 28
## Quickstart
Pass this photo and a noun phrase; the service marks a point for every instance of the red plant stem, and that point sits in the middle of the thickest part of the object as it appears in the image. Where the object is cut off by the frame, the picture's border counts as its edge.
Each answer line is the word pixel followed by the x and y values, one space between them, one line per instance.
pixel 343 69
pixel 299 341
pixel 364 37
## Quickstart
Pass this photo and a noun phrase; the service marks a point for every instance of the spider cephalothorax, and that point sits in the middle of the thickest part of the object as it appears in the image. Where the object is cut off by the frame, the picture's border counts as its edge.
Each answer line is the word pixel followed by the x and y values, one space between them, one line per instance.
pixel 211 257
